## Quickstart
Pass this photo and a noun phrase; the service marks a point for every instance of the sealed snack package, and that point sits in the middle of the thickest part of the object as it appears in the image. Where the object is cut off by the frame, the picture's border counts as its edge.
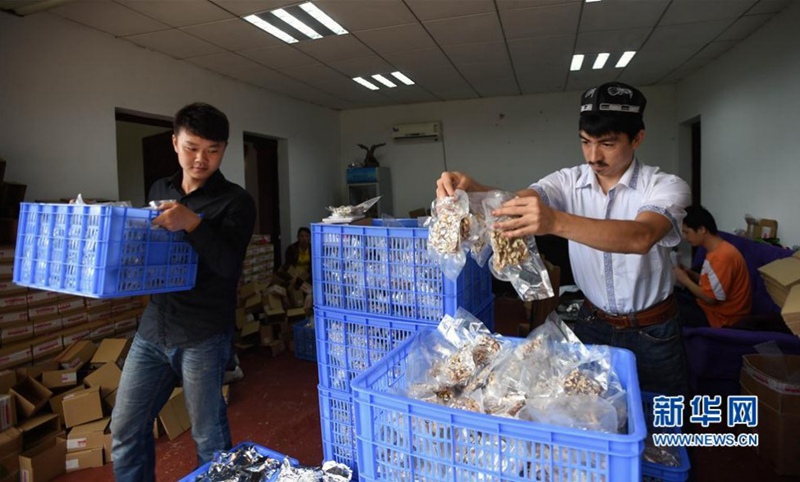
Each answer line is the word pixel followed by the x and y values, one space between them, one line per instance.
pixel 449 225
pixel 515 260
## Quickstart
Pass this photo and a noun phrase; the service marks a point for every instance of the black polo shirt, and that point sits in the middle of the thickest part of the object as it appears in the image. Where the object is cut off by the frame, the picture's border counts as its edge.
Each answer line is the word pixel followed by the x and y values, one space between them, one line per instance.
pixel 184 318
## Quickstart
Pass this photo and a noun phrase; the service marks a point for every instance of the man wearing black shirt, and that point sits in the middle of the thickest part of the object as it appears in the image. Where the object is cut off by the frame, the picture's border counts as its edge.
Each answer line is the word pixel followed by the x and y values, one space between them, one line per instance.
pixel 186 336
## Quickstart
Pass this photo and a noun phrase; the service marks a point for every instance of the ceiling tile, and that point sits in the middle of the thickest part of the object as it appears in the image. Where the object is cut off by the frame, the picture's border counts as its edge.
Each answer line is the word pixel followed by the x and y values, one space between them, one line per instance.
pixel 363 66
pixel 521 4
pixel 744 27
pixel 713 50
pixel 109 17
pixel 477 53
pixel 768 6
pixel 337 47
pixel 178 13
pixel 541 22
pixel 314 73
pixel 349 90
pixel 540 53
pixel 246 7
pixel 364 15
pixel 396 39
pixel 691 11
pixel 465 30
pixel 583 80
pixel 611 40
pixel 442 80
pixel 279 56
pixel 428 10
pixel 491 79
pixel 234 34
pixel 418 60
pixel 651 65
pixel 175 44
pixel 225 62
pixel 695 35
pixel 409 94
pixel 621 15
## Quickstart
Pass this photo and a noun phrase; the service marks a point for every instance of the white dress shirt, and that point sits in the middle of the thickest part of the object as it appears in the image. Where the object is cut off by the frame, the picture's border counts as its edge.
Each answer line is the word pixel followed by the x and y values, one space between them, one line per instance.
pixel 620 283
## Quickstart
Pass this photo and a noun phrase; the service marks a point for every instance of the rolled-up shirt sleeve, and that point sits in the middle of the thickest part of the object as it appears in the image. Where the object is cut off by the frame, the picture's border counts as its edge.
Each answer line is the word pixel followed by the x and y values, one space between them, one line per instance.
pixel 668 196
pixel 551 189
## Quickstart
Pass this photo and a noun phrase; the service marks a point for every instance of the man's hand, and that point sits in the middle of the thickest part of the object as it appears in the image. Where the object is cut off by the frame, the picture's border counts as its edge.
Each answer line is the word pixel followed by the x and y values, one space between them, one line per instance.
pixel 449 181
pixel 530 215
pixel 176 217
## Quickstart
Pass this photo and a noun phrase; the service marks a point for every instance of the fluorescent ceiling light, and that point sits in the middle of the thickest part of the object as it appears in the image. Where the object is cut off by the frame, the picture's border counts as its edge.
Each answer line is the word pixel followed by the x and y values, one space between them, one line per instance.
pixel 402 78
pixel 258 22
pixel 600 61
pixel 626 57
pixel 323 18
pixel 577 61
pixel 592 1
pixel 365 83
pixel 294 22
pixel 383 80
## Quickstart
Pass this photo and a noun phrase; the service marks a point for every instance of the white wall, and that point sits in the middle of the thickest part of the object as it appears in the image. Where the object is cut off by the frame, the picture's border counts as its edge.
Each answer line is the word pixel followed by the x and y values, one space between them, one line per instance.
pixel 507 142
pixel 60 83
pixel 748 102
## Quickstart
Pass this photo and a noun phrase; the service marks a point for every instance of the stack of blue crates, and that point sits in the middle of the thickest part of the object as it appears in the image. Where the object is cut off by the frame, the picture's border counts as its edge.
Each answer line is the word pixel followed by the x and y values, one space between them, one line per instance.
pixel 374 286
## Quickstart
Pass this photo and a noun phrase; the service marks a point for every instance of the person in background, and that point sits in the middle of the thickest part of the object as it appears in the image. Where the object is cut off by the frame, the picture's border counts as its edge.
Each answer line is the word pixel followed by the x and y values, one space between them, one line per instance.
pixel 621 218
pixel 186 336
pixel 720 294
pixel 298 254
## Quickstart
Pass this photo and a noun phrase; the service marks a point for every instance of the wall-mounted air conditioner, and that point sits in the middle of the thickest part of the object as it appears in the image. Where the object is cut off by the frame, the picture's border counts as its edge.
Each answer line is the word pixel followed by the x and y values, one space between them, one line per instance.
pixel 419 130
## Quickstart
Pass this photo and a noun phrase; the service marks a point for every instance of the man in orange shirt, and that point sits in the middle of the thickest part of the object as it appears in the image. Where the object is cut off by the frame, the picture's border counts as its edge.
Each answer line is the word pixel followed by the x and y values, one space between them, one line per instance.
pixel 720 294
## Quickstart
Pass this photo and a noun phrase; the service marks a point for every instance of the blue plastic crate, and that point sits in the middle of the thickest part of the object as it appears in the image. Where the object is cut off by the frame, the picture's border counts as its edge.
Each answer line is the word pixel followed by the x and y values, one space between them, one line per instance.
pixel 261 450
pixel 399 438
pixel 356 175
pixel 305 341
pixel 100 251
pixel 386 270
pixel 661 473
pixel 349 343
pixel 338 427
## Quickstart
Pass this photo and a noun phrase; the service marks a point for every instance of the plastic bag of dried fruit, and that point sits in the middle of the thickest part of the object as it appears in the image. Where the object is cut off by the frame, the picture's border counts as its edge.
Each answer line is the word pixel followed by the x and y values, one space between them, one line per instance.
pixel 448 227
pixel 515 260
pixel 477 244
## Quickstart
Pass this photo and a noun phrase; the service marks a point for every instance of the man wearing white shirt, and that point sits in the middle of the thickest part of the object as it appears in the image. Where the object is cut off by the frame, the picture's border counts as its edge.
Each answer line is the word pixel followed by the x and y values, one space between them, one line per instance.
pixel 621 218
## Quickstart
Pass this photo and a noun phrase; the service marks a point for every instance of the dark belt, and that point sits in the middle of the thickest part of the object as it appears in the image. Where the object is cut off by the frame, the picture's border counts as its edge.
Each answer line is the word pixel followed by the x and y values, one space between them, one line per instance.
pixel 658 313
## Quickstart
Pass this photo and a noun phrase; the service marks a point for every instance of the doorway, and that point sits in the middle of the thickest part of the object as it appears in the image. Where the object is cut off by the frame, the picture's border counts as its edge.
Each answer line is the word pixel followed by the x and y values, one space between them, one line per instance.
pixel 696 161
pixel 261 181
pixel 144 154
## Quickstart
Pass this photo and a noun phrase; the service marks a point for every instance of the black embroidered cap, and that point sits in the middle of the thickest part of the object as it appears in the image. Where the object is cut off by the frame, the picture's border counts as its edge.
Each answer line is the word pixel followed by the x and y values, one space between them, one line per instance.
pixel 613 97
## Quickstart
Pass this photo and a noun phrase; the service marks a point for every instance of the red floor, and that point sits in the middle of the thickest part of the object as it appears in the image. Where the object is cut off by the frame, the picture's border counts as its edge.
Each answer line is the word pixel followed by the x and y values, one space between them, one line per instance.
pixel 276 405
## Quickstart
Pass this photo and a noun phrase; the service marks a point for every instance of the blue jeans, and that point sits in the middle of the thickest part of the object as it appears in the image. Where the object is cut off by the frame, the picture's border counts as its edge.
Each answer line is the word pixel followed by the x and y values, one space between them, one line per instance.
pixel 150 374
pixel 660 357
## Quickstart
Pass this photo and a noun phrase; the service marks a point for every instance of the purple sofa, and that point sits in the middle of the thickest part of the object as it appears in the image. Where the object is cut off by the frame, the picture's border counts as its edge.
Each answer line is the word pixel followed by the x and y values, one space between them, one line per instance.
pixel 714 355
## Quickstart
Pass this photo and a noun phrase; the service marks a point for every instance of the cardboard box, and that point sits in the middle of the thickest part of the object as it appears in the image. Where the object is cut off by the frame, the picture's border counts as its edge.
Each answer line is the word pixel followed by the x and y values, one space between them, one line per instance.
pixel 111 350
pixel 8 411
pixel 47 324
pixel 83 460
pixel 34 371
pixel 266 334
pixel 77 354
pixel 60 378
pixel 226 393
pixel 45 346
pixel 45 462
pixel 102 329
pixel 10 448
pixel 8 378
pixel 775 380
pixel 276 347
pixel 81 407
pixel 30 396
pixel 56 404
pixel 779 276
pixel 125 325
pixel 791 310
pixel 38 429
pixel 106 378
pixel 107 454
pixel 110 400
pixel 173 416
pixel 43 311
pixel 77 333
pixel 39 298
pixel 14 333
pixel 16 301
pixel 13 317
pixel 88 436
pixel 70 305
pixel 16 354
pixel 74 319
pixel 250 327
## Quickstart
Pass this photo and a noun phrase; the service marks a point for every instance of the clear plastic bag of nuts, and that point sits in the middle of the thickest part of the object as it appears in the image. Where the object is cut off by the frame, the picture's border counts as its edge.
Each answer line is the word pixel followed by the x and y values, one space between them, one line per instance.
pixel 449 225
pixel 515 260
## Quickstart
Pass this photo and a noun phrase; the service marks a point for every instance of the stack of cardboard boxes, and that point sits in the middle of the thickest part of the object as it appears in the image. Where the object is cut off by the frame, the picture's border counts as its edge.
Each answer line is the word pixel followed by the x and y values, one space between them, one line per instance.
pixel 59 412
pixel 782 279
pixel 269 302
